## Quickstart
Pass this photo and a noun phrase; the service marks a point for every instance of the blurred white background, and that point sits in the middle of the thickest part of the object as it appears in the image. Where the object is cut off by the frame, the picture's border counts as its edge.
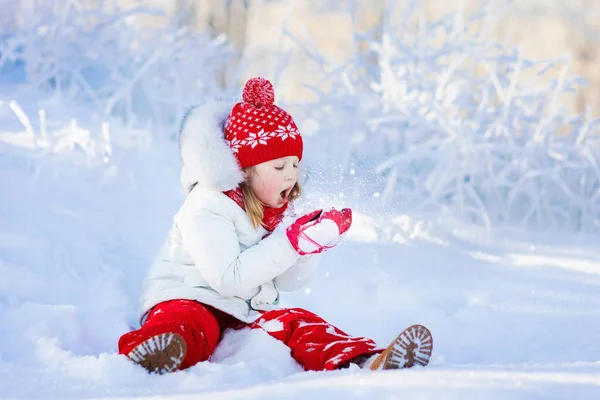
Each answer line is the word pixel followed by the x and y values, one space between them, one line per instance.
pixel 542 29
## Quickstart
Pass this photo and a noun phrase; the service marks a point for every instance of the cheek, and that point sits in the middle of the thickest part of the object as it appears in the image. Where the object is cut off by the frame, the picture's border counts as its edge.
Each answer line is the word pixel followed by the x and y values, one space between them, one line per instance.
pixel 266 186
pixel 273 185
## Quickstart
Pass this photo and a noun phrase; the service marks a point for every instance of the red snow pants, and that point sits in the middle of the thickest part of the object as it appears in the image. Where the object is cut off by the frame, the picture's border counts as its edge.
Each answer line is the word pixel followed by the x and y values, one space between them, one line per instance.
pixel 314 343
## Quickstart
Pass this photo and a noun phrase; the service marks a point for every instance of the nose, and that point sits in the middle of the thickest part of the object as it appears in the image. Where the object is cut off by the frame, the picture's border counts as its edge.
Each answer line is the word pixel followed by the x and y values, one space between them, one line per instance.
pixel 289 174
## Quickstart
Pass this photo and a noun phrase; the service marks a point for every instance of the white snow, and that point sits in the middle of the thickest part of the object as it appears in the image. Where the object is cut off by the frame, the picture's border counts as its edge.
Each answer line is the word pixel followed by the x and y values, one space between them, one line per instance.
pixel 513 315
pixel 87 198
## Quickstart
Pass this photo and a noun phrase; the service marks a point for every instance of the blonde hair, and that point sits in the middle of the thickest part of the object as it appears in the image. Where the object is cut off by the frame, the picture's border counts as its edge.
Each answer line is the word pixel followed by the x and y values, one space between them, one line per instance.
pixel 254 207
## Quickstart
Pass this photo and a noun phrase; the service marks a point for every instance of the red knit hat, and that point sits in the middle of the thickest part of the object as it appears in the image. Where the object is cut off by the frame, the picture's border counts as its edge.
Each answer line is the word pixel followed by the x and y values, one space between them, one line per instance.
pixel 257 130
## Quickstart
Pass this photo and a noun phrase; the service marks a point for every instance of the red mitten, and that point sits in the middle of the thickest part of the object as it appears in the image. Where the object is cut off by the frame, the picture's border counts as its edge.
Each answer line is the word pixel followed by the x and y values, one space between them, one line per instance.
pixel 319 230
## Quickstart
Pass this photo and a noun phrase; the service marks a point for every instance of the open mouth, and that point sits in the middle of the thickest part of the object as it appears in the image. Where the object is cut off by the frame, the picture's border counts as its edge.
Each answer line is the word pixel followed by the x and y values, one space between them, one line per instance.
pixel 285 193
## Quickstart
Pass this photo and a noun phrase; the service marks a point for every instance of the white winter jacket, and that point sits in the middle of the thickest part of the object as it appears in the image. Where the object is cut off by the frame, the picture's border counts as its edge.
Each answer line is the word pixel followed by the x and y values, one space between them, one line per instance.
pixel 213 253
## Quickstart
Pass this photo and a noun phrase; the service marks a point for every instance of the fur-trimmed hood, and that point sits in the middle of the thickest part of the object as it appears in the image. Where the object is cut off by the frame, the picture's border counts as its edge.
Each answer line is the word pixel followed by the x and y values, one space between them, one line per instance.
pixel 207 159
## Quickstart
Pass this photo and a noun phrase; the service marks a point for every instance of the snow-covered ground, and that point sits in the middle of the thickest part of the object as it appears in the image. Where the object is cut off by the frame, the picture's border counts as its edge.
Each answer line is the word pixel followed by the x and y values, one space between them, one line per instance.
pixel 514 315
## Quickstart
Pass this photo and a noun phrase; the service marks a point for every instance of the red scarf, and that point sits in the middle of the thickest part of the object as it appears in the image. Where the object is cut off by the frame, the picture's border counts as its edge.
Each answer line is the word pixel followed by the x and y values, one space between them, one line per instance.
pixel 271 216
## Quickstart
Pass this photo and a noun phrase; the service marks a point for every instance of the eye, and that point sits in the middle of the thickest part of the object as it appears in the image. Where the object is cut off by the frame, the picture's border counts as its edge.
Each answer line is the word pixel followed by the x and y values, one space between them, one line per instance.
pixel 279 168
pixel 295 166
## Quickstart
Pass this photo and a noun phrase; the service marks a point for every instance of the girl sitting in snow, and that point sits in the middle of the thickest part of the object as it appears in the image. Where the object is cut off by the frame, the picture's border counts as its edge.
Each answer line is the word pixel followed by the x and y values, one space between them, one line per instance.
pixel 229 254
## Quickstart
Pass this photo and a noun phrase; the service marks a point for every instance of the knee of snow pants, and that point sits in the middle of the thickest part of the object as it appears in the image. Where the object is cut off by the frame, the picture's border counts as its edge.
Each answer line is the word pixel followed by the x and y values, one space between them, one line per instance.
pixel 195 322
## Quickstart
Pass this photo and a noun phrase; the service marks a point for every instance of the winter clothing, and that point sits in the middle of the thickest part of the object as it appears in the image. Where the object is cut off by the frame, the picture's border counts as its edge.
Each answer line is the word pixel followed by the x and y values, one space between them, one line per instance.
pixel 161 353
pixel 318 230
pixel 199 325
pixel 411 347
pixel 213 253
pixel 314 343
pixel 257 130
pixel 208 162
pixel 271 216
pixel 216 270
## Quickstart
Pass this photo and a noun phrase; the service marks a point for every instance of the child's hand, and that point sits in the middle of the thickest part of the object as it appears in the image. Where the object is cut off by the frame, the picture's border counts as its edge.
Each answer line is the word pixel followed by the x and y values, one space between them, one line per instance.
pixel 318 230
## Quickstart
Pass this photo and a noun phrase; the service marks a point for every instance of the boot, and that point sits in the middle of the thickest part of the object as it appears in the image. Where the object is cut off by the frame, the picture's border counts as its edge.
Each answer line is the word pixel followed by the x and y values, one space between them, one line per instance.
pixel 412 347
pixel 161 353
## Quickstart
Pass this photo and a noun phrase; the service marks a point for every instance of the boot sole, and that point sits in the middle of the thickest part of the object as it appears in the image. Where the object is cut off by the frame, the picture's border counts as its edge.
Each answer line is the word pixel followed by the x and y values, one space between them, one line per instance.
pixel 161 353
pixel 412 347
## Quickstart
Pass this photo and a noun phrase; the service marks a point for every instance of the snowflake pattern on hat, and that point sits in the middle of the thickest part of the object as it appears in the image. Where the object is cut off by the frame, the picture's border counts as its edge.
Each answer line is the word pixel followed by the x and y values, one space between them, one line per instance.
pixel 255 139
pixel 285 132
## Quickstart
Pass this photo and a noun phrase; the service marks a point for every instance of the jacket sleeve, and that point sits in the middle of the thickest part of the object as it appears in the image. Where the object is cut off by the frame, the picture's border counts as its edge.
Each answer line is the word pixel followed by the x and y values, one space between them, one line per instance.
pixel 210 237
pixel 298 275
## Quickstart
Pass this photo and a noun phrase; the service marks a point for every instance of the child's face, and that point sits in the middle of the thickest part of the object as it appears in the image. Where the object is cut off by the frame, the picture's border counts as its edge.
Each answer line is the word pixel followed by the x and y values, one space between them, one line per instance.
pixel 272 181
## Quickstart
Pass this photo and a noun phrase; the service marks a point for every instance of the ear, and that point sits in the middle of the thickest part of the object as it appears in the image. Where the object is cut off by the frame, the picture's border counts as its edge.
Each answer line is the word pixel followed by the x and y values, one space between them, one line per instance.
pixel 245 173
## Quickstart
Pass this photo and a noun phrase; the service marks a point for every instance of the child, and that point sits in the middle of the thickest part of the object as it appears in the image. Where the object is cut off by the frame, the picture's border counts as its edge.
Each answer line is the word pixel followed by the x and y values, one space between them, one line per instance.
pixel 229 255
